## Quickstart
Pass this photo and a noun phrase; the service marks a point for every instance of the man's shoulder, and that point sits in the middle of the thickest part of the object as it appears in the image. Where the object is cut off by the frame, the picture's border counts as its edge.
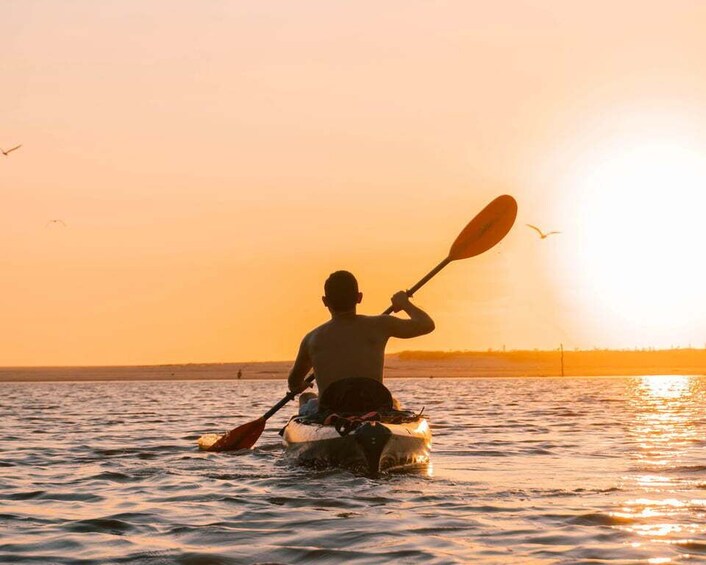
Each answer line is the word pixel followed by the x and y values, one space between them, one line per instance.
pixel 317 330
pixel 382 319
pixel 379 323
pixel 376 319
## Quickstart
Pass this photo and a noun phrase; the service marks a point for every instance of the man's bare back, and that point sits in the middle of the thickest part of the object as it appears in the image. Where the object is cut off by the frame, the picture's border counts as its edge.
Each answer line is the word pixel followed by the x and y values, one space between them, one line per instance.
pixel 352 345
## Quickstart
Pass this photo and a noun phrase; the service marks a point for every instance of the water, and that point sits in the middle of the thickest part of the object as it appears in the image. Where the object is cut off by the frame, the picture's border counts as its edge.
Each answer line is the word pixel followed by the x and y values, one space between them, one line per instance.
pixel 588 470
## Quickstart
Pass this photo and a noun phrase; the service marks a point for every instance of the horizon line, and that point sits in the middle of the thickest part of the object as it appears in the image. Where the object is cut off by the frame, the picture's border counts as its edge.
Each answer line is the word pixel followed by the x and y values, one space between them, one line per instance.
pixel 492 351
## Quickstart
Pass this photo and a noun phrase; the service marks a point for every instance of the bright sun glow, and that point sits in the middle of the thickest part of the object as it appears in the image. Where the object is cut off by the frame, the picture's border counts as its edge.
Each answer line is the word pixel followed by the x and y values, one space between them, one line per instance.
pixel 635 241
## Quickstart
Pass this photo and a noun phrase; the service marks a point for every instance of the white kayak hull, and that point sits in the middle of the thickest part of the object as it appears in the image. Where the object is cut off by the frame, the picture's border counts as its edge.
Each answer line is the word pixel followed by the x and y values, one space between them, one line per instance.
pixel 371 448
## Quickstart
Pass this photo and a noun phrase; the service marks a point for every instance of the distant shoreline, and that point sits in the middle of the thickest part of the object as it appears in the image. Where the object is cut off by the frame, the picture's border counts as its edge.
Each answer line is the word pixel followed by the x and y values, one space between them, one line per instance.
pixel 407 364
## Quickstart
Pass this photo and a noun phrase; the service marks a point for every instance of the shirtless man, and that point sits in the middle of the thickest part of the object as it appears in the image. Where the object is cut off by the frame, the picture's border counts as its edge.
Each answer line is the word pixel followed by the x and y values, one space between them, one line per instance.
pixel 349 344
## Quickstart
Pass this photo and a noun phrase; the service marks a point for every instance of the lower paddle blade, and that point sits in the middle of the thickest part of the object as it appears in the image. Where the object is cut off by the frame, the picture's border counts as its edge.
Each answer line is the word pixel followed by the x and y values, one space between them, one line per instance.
pixel 485 230
pixel 242 437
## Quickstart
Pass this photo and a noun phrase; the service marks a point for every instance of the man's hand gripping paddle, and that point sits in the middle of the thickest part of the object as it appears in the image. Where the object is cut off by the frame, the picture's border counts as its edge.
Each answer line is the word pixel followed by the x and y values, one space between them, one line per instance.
pixel 483 232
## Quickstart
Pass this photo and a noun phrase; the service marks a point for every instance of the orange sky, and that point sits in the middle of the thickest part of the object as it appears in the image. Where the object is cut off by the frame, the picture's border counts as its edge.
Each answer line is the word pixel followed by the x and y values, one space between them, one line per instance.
pixel 214 161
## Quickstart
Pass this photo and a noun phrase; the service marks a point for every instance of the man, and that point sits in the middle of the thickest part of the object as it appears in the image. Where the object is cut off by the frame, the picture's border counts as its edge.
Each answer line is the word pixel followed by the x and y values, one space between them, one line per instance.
pixel 351 345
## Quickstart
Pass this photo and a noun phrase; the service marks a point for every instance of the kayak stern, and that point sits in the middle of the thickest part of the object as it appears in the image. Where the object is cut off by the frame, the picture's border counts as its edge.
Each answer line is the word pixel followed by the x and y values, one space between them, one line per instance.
pixel 372 448
pixel 372 440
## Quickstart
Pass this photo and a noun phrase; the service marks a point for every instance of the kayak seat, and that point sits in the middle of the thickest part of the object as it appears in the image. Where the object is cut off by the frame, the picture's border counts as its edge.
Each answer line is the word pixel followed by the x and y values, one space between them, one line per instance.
pixel 356 395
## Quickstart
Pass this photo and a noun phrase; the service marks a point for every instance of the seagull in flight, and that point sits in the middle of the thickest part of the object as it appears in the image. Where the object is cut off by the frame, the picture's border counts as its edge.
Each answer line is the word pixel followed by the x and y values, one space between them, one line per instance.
pixel 6 153
pixel 542 235
pixel 60 222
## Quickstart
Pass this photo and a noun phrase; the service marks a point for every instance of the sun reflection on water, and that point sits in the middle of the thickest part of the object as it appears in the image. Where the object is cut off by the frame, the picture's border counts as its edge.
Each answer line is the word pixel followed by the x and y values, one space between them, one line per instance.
pixel 665 411
pixel 665 386
pixel 666 509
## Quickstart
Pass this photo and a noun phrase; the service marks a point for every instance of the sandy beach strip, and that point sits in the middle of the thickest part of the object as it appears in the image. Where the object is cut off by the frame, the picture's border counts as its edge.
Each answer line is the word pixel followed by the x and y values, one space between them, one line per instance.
pixel 509 364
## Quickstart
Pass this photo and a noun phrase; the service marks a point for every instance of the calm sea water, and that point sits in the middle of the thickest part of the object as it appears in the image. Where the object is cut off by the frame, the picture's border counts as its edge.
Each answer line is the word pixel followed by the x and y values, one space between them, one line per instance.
pixel 590 470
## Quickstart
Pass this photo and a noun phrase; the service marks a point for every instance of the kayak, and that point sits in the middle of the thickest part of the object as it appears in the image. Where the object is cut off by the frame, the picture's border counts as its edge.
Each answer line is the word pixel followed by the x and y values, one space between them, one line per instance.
pixel 370 446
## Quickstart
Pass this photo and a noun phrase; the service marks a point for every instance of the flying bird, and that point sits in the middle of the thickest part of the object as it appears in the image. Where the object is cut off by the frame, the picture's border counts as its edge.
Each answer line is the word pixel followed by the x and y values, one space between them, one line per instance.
pixel 542 235
pixel 6 153
pixel 61 222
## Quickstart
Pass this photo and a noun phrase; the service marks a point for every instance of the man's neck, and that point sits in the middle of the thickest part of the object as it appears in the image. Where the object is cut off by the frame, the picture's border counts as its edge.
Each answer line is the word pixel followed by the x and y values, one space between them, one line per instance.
pixel 343 315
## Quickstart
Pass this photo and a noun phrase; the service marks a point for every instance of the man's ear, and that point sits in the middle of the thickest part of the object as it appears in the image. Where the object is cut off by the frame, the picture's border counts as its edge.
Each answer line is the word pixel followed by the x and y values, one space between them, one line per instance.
pixel 360 298
pixel 323 299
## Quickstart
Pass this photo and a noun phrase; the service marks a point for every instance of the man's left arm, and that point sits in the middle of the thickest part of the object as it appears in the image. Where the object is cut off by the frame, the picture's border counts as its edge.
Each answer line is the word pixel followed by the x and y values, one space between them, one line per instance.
pixel 300 369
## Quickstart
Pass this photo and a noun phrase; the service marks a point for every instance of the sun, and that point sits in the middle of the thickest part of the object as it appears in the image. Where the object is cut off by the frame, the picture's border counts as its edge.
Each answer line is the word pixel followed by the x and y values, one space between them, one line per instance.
pixel 634 242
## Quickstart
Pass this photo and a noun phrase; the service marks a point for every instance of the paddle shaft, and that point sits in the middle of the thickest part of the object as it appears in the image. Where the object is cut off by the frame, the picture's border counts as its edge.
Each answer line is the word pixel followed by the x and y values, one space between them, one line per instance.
pixel 310 379
pixel 290 396
pixel 424 280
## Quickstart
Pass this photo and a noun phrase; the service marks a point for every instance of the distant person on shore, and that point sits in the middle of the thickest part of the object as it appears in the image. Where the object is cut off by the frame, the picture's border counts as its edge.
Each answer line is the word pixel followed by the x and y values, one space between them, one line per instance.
pixel 350 345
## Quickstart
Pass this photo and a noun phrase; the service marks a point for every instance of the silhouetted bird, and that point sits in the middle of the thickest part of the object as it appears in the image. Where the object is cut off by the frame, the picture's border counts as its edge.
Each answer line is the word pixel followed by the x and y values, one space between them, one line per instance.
pixel 542 235
pixel 56 222
pixel 6 153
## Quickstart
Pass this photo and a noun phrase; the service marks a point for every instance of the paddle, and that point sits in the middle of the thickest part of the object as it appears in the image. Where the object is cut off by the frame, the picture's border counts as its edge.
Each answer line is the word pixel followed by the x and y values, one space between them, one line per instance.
pixel 484 231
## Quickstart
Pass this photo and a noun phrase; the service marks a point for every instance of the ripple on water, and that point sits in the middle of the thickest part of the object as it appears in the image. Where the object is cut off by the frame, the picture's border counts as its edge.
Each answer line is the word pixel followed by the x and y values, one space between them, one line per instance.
pixel 112 476
pixel 27 495
pixel 106 525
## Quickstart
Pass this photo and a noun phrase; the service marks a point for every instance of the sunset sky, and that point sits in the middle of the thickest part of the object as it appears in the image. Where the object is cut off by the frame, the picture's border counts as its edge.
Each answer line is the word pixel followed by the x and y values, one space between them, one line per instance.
pixel 215 161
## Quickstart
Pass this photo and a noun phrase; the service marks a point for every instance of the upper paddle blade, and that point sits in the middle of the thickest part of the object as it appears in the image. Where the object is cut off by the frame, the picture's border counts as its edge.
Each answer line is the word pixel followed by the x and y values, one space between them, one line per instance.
pixel 242 437
pixel 485 230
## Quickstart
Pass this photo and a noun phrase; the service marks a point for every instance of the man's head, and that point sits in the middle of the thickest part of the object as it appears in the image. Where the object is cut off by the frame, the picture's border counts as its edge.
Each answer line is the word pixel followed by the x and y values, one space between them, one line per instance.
pixel 341 292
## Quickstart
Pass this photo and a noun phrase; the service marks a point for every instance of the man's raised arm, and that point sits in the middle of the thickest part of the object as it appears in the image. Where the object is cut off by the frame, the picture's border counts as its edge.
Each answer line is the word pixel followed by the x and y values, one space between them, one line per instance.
pixel 419 322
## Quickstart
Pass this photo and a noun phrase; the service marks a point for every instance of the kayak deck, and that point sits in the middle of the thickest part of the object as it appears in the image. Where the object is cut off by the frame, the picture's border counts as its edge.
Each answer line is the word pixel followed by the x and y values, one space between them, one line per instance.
pixel 371 447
